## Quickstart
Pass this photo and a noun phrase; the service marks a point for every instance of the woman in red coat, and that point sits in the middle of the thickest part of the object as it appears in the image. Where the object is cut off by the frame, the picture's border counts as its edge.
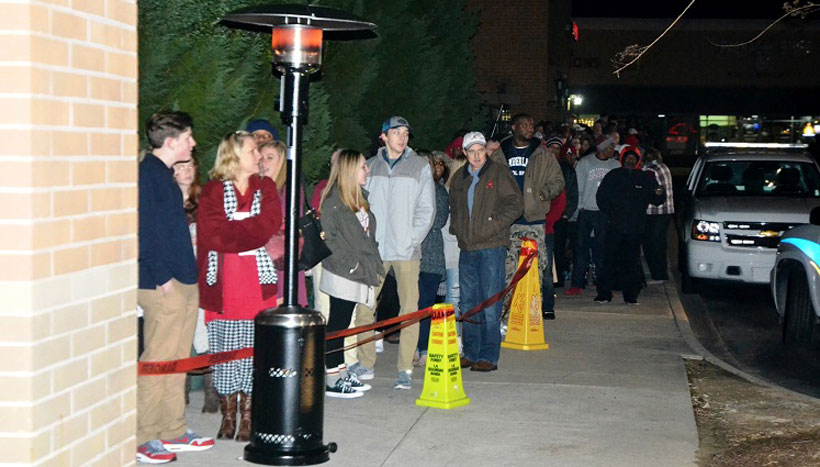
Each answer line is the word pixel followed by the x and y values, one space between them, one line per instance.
pixel 238 213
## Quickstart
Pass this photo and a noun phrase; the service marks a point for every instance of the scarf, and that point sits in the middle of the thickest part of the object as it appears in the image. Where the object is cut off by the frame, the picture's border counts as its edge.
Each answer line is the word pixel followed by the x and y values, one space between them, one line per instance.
pixel 264 265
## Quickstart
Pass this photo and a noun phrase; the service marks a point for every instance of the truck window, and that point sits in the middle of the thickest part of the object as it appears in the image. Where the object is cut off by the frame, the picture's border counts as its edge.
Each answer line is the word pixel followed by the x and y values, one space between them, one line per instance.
pixel 759 178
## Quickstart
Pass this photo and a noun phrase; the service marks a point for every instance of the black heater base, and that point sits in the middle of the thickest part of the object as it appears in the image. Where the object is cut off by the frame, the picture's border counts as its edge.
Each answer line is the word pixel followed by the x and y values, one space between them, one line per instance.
pixel 269 457
pixel 287 408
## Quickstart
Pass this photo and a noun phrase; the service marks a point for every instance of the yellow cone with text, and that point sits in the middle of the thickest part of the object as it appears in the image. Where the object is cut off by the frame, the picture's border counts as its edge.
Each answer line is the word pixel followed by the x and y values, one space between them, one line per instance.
pixel 442 376
pixel 525 328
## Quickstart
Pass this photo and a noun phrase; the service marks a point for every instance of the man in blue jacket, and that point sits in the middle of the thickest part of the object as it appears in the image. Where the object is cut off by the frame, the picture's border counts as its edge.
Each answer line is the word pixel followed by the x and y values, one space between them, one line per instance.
pixel 167 293
pixel 403 200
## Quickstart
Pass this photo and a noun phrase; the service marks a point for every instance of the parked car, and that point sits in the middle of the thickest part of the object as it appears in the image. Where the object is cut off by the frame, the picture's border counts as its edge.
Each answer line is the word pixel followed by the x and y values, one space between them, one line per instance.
pixel 739 201
pixel 795 282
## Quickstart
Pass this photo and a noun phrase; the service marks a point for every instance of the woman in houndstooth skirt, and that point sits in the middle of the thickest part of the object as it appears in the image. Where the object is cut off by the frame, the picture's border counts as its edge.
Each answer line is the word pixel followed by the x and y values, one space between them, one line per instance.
pixel 238 213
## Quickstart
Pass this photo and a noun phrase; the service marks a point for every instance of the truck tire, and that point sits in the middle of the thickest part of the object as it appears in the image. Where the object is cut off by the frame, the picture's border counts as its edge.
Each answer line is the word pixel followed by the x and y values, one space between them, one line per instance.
pixel 798 320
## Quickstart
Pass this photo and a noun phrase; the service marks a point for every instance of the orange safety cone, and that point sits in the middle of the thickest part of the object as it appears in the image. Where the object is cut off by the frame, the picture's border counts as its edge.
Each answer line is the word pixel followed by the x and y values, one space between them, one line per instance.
pixel 442 376
pixel 525 328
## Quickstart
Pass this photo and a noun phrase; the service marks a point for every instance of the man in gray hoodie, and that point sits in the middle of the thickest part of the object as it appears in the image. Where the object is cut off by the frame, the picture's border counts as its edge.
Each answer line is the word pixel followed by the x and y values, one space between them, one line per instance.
pixel 403 200
pixel 589 172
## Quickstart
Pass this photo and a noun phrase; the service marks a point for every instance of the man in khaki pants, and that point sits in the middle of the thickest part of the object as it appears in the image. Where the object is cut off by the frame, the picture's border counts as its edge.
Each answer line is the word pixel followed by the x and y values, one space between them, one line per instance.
pixel 403 200
pixel 167 293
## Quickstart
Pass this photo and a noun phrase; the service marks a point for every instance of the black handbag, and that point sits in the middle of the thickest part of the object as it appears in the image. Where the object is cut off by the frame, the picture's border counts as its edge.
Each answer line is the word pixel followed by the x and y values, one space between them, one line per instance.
pixel 314 249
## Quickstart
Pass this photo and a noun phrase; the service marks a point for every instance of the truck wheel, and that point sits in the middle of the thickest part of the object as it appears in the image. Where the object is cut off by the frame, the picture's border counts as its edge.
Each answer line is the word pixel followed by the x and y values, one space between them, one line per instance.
pixel 798 320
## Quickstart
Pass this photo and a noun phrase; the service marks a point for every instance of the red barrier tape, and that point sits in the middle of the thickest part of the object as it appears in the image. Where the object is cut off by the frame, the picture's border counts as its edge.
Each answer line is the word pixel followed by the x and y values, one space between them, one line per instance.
pixel 519 274
pixel 187 364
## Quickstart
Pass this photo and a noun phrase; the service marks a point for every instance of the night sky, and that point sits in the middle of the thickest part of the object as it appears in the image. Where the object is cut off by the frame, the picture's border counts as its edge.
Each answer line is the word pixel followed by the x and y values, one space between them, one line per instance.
pixel 764 9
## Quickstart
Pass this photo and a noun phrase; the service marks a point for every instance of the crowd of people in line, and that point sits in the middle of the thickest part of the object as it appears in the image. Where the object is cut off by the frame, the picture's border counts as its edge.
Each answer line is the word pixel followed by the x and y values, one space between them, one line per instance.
pixel 443 223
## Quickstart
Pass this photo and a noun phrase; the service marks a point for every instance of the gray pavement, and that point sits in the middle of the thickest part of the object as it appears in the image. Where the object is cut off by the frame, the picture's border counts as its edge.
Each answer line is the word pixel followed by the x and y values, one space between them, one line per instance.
pixel 610 391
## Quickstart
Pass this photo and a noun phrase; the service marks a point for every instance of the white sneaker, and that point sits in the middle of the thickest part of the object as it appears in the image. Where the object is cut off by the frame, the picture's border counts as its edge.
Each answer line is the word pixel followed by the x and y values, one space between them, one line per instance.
pixel 380 346
pixel 342 390
pixel 357 385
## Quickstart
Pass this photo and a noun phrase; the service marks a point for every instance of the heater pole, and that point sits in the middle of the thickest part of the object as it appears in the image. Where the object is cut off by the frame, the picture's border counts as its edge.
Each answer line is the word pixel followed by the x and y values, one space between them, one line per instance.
pixel 294 111
pixel 287 408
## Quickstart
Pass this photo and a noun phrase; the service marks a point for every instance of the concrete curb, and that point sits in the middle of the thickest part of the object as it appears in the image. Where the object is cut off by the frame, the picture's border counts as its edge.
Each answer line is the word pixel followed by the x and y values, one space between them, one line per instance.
pixel 685 330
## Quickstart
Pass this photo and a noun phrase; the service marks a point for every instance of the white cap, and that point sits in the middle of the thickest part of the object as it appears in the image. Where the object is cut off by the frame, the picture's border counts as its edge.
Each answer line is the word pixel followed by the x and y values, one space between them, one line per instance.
pixel 472 138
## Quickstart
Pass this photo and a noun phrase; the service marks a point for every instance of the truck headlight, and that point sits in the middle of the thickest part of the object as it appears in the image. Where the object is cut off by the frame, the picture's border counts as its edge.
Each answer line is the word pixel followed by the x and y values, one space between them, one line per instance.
pixel 705 231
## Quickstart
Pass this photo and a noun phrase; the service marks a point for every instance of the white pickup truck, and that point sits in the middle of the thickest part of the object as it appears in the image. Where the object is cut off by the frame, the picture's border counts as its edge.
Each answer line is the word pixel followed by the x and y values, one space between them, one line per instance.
pixel 739 200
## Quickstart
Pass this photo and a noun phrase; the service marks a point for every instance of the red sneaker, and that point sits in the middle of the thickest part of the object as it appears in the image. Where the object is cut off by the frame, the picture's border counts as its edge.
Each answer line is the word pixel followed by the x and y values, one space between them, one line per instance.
pixel 574 291
pixel 153 452
pixel 189 441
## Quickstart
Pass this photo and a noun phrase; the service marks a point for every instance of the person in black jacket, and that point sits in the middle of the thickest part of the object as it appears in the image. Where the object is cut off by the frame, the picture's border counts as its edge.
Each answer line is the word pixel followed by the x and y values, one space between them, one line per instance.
pixel 623 196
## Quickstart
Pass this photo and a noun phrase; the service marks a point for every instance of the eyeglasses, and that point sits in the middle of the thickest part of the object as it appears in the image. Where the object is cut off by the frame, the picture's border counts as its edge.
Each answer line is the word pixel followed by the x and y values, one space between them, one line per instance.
pixel 262 135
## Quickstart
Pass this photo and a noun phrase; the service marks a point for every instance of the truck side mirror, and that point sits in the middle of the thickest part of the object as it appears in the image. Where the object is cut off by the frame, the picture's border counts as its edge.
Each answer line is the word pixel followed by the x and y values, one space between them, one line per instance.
pixel 814 217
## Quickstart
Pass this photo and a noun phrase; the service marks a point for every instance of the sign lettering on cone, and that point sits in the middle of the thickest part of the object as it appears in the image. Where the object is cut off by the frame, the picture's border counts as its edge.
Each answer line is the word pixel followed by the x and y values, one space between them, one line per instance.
pixel 442 376
pixel 525 328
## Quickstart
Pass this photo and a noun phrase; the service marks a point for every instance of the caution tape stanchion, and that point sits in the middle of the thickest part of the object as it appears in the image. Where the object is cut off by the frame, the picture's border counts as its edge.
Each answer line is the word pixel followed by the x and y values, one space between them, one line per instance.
pixel 442 377
pixel 525 328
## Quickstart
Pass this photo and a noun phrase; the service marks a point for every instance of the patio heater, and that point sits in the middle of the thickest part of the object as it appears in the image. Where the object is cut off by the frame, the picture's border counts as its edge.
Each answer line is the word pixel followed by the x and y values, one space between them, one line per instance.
pixel 287 413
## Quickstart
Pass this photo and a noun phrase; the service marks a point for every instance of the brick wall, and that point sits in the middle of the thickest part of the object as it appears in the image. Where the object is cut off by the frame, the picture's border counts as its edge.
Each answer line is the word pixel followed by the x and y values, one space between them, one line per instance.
pixel 511 49
pixel 68 199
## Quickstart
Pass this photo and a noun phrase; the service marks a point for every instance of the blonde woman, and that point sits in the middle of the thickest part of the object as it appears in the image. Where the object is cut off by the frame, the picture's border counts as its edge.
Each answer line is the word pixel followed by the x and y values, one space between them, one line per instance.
pixel 273 165
pixel 238 212
pixel 351 274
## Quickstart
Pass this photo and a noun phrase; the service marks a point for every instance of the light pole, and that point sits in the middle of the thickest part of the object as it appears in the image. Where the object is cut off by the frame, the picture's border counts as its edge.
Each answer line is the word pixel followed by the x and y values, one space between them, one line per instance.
pixel 287 411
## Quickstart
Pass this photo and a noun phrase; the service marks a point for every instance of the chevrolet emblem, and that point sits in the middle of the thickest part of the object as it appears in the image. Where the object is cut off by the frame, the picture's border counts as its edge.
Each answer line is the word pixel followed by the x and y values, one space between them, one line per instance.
pixel 770 233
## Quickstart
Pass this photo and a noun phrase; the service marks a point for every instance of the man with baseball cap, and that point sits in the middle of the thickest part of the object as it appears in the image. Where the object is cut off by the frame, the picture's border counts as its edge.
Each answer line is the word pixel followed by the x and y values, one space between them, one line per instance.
pixel 484 201
pixel 402 198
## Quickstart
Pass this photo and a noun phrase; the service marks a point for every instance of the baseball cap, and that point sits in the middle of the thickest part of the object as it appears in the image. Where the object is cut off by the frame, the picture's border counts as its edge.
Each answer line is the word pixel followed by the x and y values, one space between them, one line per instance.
pixel 472 138
pixel 395 122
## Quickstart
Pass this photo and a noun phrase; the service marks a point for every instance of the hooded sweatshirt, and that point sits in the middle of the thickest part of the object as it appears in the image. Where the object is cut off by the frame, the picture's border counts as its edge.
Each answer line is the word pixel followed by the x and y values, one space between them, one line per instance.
pixel 624 195
pixel 589 172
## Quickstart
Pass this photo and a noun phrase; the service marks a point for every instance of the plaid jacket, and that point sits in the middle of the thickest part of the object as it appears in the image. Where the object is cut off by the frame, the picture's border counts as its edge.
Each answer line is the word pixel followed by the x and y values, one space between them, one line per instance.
pixel 664 178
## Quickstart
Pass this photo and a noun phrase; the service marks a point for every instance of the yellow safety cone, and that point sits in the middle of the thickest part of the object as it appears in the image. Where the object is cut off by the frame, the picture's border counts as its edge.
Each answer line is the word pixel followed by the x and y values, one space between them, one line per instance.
pixel 442 377
pixel 525 328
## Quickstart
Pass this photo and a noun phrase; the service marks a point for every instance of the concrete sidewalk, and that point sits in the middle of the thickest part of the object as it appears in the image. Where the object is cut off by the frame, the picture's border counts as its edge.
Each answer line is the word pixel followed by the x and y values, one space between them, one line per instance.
pixel 610 391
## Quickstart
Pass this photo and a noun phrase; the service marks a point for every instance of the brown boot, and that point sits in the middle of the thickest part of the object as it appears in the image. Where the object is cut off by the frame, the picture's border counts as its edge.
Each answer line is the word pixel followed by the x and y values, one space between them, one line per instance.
pixel 245 418
pixel 211 397
pixel 227 405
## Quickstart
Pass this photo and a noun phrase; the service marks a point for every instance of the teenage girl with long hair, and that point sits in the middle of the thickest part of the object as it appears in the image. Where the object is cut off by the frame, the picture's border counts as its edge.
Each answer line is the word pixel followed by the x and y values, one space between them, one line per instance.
pixel 351 273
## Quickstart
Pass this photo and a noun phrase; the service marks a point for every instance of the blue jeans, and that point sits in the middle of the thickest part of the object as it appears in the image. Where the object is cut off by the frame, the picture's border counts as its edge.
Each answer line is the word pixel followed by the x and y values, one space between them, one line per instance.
pixel 453 294
pixel 547 286
pixel 481 276
pixel 428 287
pixel 588 222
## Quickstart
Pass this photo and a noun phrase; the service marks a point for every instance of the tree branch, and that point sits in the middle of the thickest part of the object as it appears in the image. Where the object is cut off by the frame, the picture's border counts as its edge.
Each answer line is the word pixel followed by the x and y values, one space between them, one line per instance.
pixel 805 9
pixel 642 50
